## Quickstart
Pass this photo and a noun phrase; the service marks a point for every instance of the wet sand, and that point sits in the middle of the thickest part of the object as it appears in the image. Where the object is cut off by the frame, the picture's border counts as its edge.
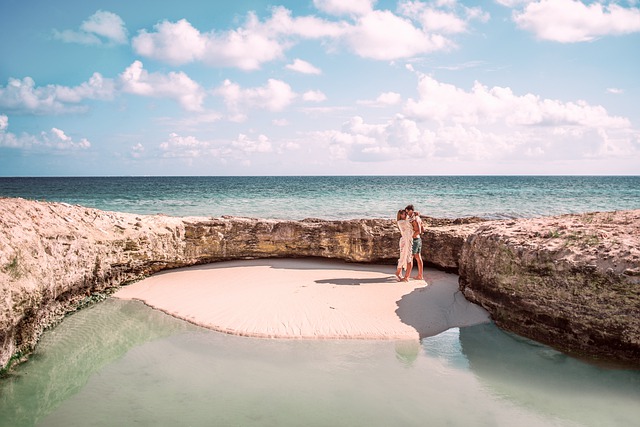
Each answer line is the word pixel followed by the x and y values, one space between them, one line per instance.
pixel 308 299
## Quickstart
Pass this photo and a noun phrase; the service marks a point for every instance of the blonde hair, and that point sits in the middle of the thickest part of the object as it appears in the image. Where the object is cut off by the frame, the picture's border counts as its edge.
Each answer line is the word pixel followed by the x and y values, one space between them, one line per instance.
pixel 399 216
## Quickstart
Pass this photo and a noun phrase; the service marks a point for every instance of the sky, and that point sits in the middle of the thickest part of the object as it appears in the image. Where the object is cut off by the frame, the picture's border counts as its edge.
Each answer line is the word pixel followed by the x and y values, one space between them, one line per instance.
pixel 319 87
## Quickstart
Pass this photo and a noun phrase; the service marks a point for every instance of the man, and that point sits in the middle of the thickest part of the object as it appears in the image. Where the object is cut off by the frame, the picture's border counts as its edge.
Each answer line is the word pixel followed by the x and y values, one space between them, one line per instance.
pixel 416 249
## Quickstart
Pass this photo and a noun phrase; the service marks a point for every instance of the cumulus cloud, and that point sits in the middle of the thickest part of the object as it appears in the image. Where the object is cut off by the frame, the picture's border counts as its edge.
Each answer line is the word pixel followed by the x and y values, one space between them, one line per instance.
pixel 175 85
pixel 247 145
pixel 383 100
pixel 176 43
pixel 303 67
pixel 314 96
pixel 443 17
pixel 53 140
pixel 99 29
pixel 180 43
pixel 24 97
pixel 241 148
pixel 484 124
pixel 275 95
pixel 137 151
pixel 397 138
pixel 375 34
pixel 341 7
pixel 383 35
pixel 444 102
pixel 187 146
pixel 570 21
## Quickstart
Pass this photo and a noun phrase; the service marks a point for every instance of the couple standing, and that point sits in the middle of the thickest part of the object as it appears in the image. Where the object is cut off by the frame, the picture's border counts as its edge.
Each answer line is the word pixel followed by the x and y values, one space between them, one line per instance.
pixel 410 225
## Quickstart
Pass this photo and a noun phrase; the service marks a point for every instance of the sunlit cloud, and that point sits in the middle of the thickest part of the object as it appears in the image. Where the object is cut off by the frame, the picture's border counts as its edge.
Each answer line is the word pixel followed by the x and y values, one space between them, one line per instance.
pixel 101 28
pixel 341 7
pixel 174 85
pixel 369 33
pixel 52 140
pixel 444 102
pixel 383 100
pixel 22 96
pixel 314 96
pixel 303 67
pixel 571 21
pixel 275 95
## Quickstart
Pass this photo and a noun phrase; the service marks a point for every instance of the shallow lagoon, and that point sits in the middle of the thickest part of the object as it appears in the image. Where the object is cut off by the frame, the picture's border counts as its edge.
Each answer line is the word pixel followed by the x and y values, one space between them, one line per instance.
pixel 123 363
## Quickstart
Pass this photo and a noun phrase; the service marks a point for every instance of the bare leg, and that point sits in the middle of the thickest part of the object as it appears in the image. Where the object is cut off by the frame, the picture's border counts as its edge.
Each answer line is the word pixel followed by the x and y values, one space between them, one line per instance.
pixel 408 273
pixel 418 258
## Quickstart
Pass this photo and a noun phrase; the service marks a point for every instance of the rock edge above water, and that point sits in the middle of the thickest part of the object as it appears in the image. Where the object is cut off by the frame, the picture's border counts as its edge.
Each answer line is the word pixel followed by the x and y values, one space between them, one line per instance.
pixel 570 281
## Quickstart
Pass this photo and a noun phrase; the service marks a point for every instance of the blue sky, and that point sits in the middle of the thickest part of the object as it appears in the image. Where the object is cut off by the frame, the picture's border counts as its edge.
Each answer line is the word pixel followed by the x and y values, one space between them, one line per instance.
pixel 319 87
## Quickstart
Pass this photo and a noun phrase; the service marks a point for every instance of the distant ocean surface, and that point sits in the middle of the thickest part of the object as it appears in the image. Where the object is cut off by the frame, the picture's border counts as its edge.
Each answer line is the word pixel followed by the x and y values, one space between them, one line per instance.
pixel 337 197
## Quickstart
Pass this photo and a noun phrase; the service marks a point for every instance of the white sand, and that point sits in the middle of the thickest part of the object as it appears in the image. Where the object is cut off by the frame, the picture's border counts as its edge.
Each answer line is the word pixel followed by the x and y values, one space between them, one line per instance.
pixel 318 299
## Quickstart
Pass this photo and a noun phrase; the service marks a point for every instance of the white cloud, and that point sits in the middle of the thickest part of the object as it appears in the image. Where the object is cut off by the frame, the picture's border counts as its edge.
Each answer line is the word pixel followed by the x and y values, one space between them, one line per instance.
pixel 398 138
pixel 175 43
pixel 615 91
pixel 446 103
pixel 275 95
pixel 23 97
pixel 186 146
pixel 303 67
pixel 385 99
pixel 53 140
pixel 314 96
pixel 570 21
pixel 443 17
pixel 137 151
pixel 374 34
pixel 341 7
pixel 190 147
pixel 483 124
pixel 175 85
pixel 246 145
pixel 383 35
pixel 180 43
pixel 101 28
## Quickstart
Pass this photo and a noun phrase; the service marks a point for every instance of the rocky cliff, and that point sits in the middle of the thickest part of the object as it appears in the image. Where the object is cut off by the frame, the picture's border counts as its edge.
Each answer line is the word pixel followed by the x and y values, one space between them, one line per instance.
pixel 55 258
pixel 571 281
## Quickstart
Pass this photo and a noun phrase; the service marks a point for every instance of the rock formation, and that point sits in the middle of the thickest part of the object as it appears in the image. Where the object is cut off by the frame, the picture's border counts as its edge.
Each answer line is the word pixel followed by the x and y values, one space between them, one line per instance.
pixel 572 281
pixel 55 257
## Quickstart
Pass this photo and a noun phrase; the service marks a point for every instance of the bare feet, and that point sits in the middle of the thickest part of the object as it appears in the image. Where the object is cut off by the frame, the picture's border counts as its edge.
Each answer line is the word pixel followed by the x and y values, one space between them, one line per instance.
pixel 419 278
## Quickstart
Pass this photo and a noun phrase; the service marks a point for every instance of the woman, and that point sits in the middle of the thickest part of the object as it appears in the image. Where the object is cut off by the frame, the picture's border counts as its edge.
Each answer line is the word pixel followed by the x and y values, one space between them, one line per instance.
pixel 406 241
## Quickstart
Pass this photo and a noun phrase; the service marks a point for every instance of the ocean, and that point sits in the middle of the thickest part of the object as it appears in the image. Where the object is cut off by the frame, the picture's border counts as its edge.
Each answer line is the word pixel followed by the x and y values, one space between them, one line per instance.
pixel 124 363
pixel 337 197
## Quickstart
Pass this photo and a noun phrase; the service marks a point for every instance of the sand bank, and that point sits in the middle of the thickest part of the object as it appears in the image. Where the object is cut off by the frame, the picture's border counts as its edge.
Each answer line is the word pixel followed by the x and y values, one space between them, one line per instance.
pixel 308 299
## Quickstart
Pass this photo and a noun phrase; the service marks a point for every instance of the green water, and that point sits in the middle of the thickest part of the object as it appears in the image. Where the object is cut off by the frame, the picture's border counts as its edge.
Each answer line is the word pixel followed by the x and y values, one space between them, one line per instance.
pixel 121 363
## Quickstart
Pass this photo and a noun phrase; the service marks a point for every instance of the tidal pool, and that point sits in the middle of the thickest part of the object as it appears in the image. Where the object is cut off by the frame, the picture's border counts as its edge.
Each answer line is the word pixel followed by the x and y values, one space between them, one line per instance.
pixel 121 363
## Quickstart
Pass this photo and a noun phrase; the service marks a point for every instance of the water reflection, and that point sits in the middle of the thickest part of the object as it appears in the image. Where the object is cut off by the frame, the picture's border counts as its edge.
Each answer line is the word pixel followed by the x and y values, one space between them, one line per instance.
pixel 536 376
pixel 122 363
pixel 70 354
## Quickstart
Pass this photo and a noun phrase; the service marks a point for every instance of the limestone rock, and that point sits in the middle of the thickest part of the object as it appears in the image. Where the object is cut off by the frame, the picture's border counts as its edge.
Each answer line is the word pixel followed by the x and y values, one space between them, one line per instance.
pixel 55 257
pixel 569 281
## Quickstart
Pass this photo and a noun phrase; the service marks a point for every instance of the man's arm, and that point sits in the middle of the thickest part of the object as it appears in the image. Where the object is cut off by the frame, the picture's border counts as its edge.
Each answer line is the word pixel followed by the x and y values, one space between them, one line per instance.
pixel 416 228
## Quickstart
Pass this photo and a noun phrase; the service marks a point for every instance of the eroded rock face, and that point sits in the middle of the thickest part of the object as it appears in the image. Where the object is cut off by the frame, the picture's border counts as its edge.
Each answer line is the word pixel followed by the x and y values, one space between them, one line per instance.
pixel 55 257
pixel 570 281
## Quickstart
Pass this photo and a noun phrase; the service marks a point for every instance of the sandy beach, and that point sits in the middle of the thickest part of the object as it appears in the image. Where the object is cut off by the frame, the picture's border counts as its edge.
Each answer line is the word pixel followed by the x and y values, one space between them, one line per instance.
pixel 308 299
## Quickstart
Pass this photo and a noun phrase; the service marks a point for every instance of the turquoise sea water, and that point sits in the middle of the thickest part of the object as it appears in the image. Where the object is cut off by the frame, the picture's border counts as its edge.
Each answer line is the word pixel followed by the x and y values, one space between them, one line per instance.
pixel 337 197
pixel 121 363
